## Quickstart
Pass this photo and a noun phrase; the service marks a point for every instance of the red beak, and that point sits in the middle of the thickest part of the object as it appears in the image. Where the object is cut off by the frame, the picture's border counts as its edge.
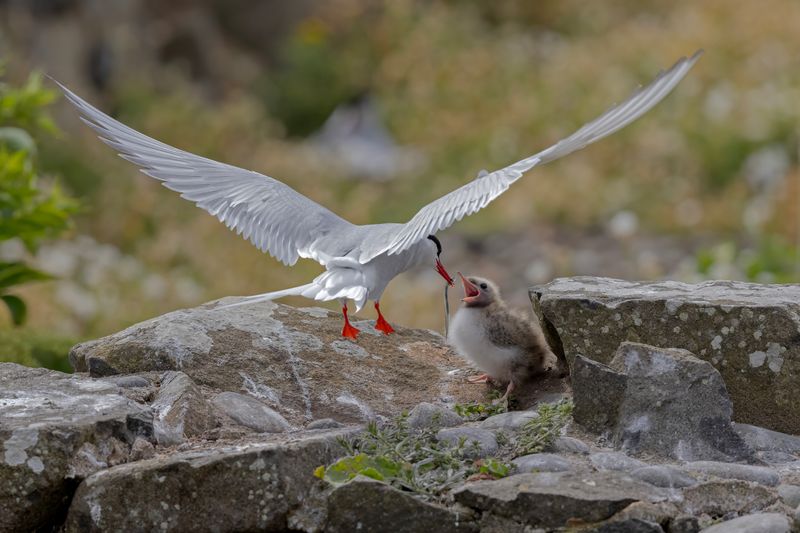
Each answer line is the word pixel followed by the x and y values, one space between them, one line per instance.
pixel 442 272
pixel 471 292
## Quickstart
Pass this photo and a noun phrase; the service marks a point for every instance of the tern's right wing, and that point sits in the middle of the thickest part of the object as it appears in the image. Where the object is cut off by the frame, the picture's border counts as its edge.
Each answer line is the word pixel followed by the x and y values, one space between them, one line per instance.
pixel 270 214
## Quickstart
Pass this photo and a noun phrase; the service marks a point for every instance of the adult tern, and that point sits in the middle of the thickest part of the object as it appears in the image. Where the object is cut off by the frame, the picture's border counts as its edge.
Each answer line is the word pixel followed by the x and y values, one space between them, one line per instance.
pixel 359 261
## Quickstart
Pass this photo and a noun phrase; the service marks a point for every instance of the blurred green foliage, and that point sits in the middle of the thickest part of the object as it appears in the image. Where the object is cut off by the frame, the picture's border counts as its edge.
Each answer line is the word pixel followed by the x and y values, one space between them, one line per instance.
pixel 35 348
pixel 28 212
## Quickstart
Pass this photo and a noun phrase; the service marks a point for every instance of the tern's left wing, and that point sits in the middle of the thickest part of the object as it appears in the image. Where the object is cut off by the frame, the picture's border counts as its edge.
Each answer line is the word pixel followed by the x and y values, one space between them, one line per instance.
pixel 477 194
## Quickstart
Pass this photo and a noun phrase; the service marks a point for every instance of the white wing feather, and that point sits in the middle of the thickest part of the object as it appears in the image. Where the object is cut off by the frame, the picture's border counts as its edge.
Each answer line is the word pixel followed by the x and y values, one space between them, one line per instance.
pixel 477 194
pixel 270 214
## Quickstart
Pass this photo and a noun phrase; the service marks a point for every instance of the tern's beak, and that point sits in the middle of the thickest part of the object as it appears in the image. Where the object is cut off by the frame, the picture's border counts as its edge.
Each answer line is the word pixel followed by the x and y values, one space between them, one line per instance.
pixel 471 292
pixel 442 272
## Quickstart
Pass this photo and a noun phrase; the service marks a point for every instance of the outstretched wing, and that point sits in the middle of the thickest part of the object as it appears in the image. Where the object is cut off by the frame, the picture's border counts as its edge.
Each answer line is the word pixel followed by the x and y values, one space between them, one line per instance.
pixel 477 194
pixel 270 214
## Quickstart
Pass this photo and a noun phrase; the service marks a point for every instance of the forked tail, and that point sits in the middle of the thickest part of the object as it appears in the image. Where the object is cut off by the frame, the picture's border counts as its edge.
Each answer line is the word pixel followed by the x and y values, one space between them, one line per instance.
pixel 267 296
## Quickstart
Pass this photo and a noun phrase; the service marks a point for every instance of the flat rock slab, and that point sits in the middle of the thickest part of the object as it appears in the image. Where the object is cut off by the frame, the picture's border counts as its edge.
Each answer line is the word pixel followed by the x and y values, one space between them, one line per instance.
pixel 369 506
pixel 749 332
pixel 551 499
pixel 56 428
pixel 754 523
pixel 292 359
pixel 716 498
pixel 251 487
pixel 758 474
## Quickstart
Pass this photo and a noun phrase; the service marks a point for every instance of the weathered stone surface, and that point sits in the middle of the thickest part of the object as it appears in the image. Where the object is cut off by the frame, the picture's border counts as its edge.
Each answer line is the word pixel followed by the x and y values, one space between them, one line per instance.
pixel 731 495
pixel 748 331
pixel 324 423
pixel 541 462
pixel 477 442
pixel 249 412
pixel 657 513
pixel 292 359
pixel 766 440
pixel 757 474
pixel 430 415
pixel 129 382
pixel 369 506
pixel 754 523
pixel 54 429
pixel 615 461
pixel 790 495
pixel 246 487
pixel 684 524
pixel 569 445
pixel 674 405
pixel 597 394
pixel 550 499
pixel 510 421
pixel 180 410
pixel 664 476
pixel 629 525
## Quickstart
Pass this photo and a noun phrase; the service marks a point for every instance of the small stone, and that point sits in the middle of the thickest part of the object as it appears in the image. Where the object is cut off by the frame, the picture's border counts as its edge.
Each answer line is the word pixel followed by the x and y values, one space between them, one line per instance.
pixel 790 495
pixel 477 442
pixel 511 421
pixel 684 524
pixel 426 414
pixel 250 412
pixel 757 474
pixel 776 457
pixel 129 382
pixel 181 410
pixel 664 476
pixel 762 439
pixel 142 449
pixel 541 462
pixel 730 495
pixel 325 423
pixel 659 513
pixel 615 461
pixel 754 523
pixel 569 445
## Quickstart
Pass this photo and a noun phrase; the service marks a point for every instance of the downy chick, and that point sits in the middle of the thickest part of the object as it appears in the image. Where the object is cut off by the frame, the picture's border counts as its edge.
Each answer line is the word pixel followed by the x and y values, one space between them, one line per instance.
pixel 507 346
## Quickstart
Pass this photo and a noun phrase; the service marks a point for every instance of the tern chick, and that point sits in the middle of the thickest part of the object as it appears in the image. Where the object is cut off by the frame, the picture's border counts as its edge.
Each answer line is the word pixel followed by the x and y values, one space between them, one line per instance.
pixel 508 346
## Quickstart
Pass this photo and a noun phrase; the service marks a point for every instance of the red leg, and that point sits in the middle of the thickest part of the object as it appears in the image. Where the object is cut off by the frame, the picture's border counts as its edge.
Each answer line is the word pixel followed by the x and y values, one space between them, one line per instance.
pixel 381 324
pixel 348 331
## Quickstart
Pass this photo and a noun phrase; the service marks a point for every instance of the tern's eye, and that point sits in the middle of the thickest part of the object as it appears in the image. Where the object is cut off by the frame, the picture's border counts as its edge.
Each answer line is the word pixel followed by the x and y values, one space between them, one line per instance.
pixel 484 286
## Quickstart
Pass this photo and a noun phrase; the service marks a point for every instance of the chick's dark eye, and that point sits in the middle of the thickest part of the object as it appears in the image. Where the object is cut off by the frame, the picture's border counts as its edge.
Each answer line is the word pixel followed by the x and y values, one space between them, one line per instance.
pixel 483 286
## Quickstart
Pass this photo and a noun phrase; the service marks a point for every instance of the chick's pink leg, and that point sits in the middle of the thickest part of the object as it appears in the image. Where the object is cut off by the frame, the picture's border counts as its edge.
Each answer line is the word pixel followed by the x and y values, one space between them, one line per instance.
pixel 480 378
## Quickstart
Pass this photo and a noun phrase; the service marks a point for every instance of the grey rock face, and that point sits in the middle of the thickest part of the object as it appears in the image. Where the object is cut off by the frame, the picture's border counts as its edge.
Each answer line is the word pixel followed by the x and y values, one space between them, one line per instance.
pixel 754 523
pixel 550 499
pixel 180 410
pixel 510 421
pixel 747 331
pixel 598 392
pixel 369 506
pixel 631 525
pixel 325 423
pixel 569 445
pixel 717 498
pixel 673 404
pixel 684 524
pixel 615 461
pixel 56 428
pixel 262 483
pixel 757 474
pixel 129 382
pixel 250 413
pixel 790 495
pixel 292 359
pixel 429 415
pixel 664 476
pixel 477 442
pixel 765 440
pixel 541 462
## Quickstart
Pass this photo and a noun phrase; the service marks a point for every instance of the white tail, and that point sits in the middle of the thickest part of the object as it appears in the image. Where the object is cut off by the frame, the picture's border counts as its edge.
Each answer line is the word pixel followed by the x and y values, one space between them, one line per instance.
pixel 294 291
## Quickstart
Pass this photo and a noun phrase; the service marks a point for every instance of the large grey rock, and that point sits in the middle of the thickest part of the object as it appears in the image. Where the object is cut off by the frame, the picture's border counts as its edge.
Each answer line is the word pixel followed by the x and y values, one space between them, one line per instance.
pixel 551 499
pixel 790 495
pixel 766 440
pixel 249 412
pixel 754 523
pixel 292 359
pixel 510 421
pixel 665 476
pixel 55 429
pixel 615 461
pixel 244 487
pixel 675 405
pixel 180 410
pixel 747 331
pixel 541 462
pixel 717 498
pixel 369 506
pixel 597 394
pixel 427 414
pixel 477 442
pixel 758 474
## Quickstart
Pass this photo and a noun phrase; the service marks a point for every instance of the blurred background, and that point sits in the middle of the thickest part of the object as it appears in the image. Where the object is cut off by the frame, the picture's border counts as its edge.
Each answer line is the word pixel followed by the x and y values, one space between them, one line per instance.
pixel 373 109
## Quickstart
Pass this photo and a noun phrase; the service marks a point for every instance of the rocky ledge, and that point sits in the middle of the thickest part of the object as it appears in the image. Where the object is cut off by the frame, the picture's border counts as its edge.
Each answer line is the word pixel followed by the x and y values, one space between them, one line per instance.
pixel 253 419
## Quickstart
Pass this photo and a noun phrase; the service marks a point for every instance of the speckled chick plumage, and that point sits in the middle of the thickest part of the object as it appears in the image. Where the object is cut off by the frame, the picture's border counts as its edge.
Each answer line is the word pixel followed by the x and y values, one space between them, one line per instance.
pixel 506 344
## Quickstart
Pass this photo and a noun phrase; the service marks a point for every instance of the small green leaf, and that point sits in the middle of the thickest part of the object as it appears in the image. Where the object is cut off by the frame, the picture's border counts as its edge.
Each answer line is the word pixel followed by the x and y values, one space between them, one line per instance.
pixel 320 472
pixel 16 273
pixel 16 307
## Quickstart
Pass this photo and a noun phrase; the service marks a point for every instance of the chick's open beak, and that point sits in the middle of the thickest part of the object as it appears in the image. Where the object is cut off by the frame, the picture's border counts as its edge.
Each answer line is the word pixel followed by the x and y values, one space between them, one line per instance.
pixel 442 272
pixel 471 292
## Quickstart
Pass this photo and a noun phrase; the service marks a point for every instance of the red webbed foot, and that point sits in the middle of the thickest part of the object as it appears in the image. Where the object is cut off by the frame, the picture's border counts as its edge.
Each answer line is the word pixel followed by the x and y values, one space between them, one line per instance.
pixel 381 324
